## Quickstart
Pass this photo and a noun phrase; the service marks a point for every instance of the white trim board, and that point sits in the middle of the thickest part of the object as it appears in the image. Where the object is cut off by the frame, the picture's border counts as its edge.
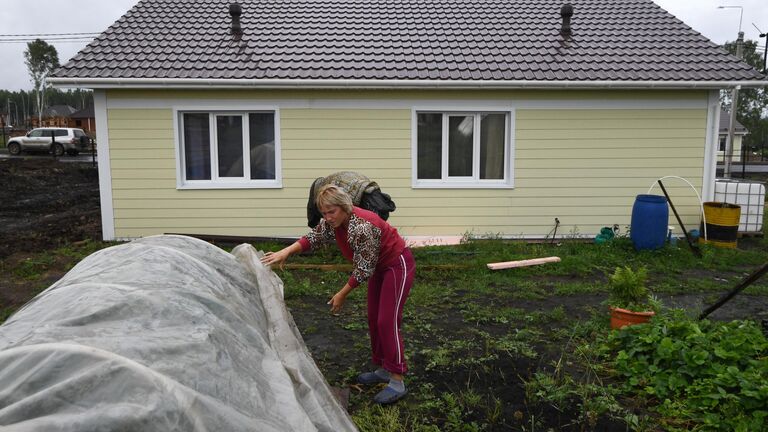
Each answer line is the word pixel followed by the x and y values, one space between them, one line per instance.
pixel 711 146
pixel 105 171
pixel 426 104
pixel 297 83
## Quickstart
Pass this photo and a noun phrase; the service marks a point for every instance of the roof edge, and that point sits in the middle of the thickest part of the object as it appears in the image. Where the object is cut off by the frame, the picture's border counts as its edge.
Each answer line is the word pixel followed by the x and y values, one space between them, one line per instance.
pixel 186 83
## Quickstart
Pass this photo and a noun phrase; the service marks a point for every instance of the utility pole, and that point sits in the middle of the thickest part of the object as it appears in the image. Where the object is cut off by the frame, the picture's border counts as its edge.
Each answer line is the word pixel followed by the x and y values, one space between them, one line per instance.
pixel 15 121
pixel 2 123
pixel 732 122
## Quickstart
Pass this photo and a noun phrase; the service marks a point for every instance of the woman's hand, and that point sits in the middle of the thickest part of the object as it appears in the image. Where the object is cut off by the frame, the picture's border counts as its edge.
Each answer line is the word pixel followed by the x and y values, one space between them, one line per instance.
pixel 279 257
pixel 337 301
pixel 272 258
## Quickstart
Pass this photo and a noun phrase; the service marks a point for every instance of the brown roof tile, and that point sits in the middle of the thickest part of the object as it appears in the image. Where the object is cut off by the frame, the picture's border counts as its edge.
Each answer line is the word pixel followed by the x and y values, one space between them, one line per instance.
pixel 622 40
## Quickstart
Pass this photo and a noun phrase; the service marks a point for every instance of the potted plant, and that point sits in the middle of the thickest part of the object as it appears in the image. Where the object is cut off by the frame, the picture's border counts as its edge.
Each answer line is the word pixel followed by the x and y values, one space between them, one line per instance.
pixel 630 301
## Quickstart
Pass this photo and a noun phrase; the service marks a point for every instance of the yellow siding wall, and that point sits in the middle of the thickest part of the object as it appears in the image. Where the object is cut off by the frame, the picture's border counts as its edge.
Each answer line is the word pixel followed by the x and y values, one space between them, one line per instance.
pixel 583 166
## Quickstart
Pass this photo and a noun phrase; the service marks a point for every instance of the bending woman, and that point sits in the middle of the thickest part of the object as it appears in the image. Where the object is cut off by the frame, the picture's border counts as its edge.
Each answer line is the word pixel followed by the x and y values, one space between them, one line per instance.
pixel 379 255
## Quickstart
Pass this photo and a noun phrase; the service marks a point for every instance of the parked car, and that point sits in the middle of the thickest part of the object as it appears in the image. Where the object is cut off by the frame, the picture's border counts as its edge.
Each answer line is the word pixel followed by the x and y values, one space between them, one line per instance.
pixel 69 140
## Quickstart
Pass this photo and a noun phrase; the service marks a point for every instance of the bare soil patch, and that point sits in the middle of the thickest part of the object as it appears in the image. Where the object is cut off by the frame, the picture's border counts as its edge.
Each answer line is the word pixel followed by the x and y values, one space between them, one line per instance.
pixel 47 203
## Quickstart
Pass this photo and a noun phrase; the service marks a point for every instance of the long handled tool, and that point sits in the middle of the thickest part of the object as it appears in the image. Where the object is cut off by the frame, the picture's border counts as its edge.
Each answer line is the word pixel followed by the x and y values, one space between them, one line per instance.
pixel 740 287
pixel 694 248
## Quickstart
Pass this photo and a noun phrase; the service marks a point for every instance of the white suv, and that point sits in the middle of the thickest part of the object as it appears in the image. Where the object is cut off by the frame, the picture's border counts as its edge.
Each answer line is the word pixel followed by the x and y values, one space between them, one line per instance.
pixel 42 139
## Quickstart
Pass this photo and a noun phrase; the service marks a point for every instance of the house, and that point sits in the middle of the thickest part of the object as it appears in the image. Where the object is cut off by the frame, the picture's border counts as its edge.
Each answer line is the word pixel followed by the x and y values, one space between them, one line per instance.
pixel 54 116
pixel 738 135
pixel 476 116
pixel 85 120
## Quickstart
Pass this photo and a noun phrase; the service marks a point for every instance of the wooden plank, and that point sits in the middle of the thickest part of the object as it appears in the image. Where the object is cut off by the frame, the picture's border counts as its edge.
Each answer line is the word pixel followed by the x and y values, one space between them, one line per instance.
pixel 522 263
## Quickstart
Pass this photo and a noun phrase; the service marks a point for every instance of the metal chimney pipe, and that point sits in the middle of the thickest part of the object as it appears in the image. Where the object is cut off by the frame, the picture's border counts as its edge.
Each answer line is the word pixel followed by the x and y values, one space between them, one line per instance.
pixel 566 12
pixel 235 11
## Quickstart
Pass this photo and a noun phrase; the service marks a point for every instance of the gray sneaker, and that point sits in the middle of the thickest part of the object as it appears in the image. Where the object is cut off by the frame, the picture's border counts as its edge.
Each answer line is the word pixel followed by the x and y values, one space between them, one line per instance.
pixel 368 378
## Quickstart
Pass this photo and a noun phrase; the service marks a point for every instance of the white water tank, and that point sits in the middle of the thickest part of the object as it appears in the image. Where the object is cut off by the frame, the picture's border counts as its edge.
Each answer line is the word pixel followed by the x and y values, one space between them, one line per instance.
pixel 750 195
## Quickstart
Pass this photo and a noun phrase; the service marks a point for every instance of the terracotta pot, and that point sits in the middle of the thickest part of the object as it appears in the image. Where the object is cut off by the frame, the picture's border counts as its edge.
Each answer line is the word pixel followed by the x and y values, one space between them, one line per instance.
pixel 622 317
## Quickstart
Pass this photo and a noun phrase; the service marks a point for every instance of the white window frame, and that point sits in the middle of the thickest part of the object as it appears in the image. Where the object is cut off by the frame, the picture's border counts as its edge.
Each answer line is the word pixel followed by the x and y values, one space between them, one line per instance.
pixel 473 182
pixel 217 182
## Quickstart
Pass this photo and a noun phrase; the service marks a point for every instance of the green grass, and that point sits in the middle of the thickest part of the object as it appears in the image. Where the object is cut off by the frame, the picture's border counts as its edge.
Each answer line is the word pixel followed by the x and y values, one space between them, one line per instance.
pixel 469 324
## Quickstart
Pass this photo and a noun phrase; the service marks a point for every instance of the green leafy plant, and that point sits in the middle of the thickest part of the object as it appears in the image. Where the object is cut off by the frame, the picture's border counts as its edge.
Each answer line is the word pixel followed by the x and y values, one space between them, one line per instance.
pixel 698 375
pixel 628 290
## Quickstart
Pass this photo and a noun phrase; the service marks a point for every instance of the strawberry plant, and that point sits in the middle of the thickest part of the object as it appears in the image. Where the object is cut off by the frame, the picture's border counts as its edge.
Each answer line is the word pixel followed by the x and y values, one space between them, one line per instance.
pixel 702 375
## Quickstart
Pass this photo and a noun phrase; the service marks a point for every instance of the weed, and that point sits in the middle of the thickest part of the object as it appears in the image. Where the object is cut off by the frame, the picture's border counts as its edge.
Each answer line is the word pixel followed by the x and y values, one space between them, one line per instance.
pixel 6 312
pixel 379 419
pixel 34 267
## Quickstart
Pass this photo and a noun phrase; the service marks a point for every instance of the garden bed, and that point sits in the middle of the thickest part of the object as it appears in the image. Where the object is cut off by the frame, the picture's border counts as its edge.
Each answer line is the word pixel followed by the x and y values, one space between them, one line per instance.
pixel 487 350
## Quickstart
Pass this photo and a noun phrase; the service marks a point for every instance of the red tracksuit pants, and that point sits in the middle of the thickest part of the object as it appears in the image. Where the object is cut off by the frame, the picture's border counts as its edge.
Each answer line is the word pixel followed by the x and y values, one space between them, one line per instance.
pixel 387 292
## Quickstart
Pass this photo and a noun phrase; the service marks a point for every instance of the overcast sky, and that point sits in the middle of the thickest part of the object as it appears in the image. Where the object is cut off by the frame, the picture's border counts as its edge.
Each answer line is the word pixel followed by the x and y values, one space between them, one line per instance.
pixel 33 17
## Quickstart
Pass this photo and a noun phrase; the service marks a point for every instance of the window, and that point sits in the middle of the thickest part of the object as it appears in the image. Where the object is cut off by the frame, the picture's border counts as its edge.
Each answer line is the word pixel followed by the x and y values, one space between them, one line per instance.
pixel 228 149
pixel 722 144
pixel 462 149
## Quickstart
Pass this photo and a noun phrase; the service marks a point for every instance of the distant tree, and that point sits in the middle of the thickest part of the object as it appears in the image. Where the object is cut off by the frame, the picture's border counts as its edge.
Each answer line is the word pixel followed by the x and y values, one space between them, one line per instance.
pixel 41 59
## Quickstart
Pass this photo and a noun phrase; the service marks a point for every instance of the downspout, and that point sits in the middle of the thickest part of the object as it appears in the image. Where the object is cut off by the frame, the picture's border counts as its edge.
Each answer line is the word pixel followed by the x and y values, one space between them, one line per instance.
pixel 710 146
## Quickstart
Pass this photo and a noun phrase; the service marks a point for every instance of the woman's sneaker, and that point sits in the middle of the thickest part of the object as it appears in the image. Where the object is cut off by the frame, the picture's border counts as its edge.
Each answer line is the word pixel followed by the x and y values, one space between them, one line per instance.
pixel 376 377
pixel 391 393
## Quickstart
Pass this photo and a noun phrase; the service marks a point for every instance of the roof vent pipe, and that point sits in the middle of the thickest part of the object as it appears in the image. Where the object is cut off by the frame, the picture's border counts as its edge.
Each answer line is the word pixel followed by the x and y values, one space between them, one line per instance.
pixel 566 12
pixel 235 11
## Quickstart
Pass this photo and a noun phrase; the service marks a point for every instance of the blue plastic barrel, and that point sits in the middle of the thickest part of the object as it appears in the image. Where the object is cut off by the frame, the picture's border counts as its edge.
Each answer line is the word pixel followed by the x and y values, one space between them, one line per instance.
pixel 650 216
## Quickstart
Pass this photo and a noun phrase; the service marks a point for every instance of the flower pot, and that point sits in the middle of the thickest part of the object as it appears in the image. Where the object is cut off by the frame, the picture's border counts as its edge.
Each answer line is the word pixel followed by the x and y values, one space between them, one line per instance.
pixel 622 317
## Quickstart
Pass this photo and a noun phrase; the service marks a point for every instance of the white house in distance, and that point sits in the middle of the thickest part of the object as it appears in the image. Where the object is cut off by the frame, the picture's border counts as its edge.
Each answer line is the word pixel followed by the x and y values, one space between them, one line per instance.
pixel 476 116
pixel 739 131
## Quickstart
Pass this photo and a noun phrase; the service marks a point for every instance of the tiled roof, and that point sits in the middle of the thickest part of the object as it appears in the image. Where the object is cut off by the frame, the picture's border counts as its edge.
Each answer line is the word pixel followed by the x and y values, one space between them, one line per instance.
pixel 86 112
pixel 58 111
pixel 725 121
pixel 467 40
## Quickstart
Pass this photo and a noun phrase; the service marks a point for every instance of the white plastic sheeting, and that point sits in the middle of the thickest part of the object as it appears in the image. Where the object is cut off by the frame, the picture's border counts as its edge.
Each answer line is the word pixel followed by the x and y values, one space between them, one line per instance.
pixel 163 333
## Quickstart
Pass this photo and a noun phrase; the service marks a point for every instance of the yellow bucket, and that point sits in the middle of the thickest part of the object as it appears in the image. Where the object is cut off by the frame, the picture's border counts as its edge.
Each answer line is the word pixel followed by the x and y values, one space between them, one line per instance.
pixel 722 224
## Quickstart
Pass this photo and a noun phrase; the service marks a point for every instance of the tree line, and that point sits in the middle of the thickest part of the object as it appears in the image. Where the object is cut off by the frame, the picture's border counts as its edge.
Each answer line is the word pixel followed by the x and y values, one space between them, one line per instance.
pixel 21 106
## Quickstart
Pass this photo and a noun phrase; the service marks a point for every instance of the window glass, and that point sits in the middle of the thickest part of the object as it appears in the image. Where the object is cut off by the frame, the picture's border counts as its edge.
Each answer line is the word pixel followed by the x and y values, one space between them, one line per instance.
pixel 230 147
pixel 722 144
pixel 460 139
pixel 261 130
pixel 229 137
pixel 473 145
pixel 79 133
pixel 60 132
pixel 36 133
pixel 492 146
pixel 429 145
pixel 197 146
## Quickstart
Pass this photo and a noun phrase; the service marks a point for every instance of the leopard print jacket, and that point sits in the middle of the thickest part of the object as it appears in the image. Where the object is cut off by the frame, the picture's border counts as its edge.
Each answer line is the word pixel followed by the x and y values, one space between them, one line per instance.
pixel 363 237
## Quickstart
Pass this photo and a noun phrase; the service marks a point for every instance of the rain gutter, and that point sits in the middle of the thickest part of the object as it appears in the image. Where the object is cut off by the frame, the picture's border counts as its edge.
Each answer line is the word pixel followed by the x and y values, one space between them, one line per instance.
pixel 187 83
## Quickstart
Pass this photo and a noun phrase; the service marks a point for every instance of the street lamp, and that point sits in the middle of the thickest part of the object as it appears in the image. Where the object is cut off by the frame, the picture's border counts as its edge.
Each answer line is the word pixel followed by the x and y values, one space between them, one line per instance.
pixel 741 13
pixel 765 51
